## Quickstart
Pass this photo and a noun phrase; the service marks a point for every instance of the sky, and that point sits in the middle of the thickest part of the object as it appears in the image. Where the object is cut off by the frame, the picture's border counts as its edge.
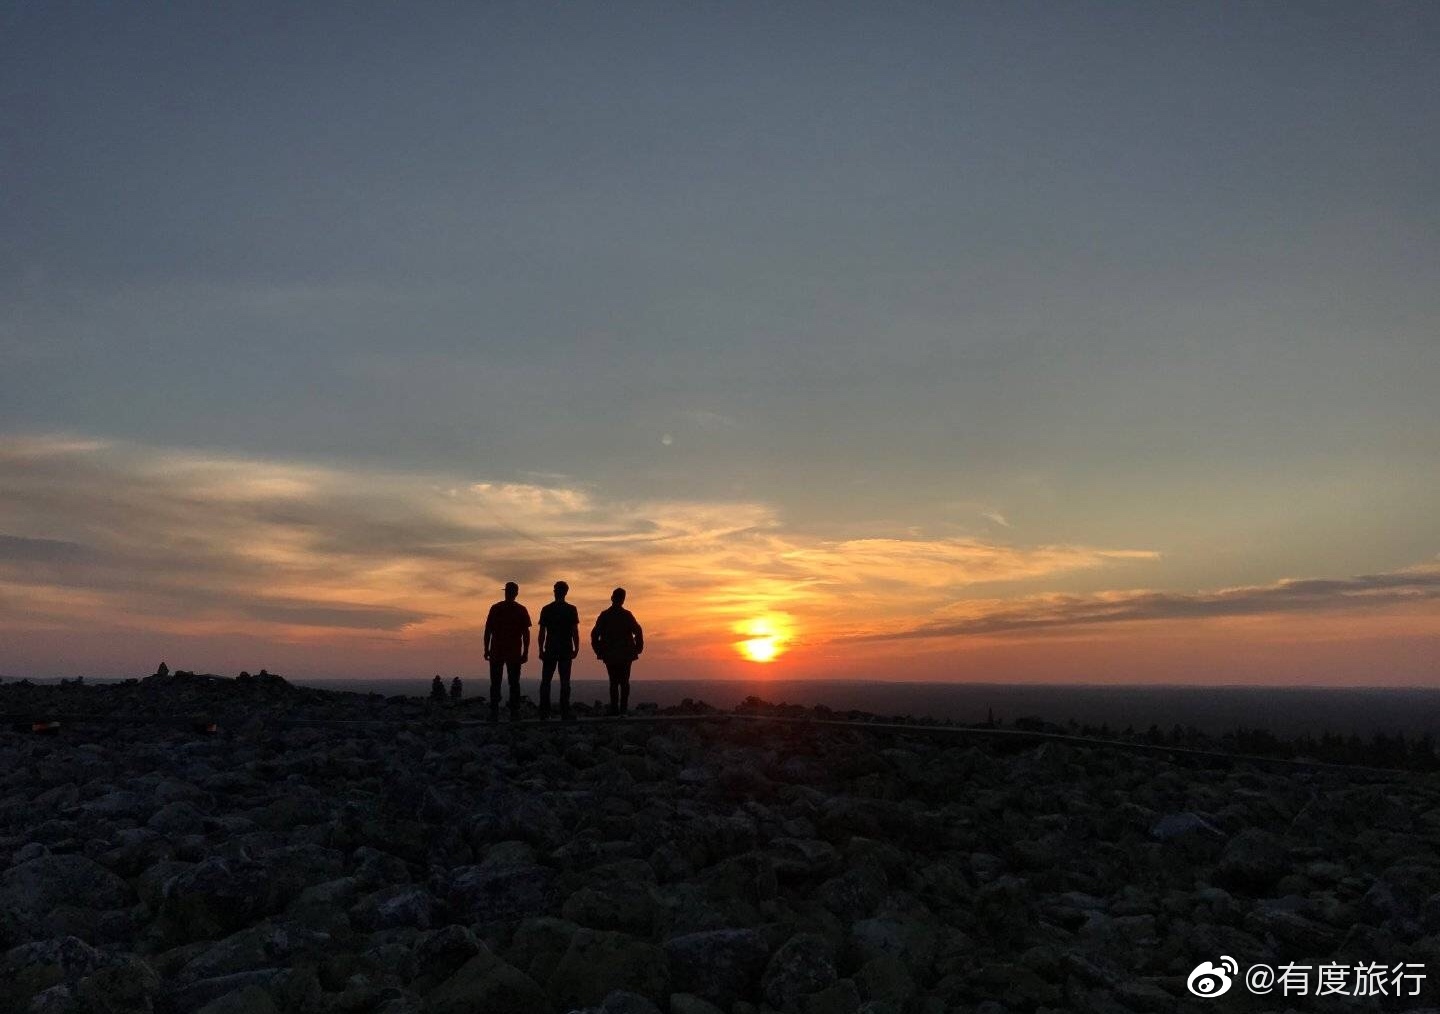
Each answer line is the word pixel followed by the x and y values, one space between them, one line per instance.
pixel 1032 342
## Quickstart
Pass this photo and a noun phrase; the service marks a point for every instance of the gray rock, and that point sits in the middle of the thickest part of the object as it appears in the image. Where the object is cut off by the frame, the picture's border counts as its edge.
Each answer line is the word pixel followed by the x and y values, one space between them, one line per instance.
pixel 119 804
pixel 802 965
pixel 173 790
pixel 598 962
pixel 1252 861
pixel 217 897
pixel 247 1000
pixel 1179 825
pixel 34 967
pixel 721 966
pixel 911 941
pixel 55 1000
pixel 856 893
pixel 391 907
pixel 486 892
pixel 486 985
pixel 689 1003
pixel 802 858
pixel 31 892
pixel 621 1002
pixel 127 985
pixel 196 995
pixel 839 998
pixel 539 944
pixel 27 852
pixel 379 869
pixel 179 817
pixel 614 905
pixel 885 978
pixel 440 954
pixel 266 945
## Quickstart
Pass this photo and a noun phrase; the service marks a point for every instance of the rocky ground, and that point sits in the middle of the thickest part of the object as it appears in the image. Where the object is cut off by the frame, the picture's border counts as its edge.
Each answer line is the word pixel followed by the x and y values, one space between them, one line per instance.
pixel 427 865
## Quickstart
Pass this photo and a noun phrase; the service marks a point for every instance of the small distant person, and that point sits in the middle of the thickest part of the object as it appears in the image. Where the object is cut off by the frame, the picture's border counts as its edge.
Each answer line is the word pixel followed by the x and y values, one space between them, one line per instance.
pixel 507 648
pixel 457 690
pixel 437 688
pixel 559 644
pixel 618 641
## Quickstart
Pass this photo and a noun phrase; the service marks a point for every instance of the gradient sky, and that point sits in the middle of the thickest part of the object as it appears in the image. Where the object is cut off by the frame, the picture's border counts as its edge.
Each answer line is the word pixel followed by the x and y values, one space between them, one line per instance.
pixel 1044 342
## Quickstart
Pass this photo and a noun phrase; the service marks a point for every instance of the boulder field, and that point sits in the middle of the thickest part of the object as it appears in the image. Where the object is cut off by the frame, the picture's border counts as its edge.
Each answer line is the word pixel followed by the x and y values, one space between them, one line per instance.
pixel 424 865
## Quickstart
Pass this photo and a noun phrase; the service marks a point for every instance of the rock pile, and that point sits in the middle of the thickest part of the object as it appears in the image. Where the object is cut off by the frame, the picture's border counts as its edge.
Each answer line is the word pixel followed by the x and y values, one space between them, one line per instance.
pixel 686 868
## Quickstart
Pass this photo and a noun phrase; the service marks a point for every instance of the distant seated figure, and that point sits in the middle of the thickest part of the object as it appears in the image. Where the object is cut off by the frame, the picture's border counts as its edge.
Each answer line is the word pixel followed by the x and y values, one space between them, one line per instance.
pixel 617 641
pixel 456 689
pixel 437 688
pixel 162 670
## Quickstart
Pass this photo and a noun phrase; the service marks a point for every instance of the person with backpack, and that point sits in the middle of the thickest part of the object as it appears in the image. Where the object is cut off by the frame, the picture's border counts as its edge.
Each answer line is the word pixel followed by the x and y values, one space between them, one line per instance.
pixel 617 641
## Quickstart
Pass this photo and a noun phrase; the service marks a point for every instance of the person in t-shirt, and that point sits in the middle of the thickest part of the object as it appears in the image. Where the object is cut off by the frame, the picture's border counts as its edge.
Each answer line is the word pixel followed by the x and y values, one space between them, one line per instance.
pixel 507 648
pixel 618 641
pixel 559 644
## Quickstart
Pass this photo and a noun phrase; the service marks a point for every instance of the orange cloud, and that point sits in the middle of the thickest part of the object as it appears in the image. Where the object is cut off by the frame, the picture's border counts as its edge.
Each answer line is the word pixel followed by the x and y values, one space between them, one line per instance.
pixel 209 546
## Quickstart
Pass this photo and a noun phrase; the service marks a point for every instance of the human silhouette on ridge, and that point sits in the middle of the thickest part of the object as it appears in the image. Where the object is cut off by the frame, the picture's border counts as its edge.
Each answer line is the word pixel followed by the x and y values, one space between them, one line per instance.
pixel 507 648
pixel 618 641
pixel 559 644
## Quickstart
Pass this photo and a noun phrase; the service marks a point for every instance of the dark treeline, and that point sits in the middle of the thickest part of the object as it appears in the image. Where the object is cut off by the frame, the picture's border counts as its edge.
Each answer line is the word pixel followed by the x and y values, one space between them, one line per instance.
pixel 1380 749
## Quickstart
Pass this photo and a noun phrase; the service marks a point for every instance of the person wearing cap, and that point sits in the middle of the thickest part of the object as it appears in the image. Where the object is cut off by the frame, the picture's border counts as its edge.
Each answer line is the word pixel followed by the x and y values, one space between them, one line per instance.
pixel 507 648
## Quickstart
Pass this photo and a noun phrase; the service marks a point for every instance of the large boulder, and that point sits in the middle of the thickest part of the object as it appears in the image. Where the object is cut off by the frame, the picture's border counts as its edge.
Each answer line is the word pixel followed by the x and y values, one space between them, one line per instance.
pixel 802 965
pixel 216 897
pixel 598 962
pixel 441 954
pixel 391 907
pixel 127 985
pixel 487 892
pixel 34 967
pixel 31 892
pixel 721 966
pixel 1252 862
pixel 486 985
pixel 539 944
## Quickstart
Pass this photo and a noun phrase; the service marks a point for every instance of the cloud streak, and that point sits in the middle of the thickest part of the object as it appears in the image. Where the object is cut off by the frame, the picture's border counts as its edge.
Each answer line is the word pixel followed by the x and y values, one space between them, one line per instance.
pixel 1369 592
pixel 198 544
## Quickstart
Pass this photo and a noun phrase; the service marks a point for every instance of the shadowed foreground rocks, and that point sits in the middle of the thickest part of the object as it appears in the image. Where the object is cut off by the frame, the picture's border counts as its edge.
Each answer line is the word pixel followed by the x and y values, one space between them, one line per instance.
pixel 689 869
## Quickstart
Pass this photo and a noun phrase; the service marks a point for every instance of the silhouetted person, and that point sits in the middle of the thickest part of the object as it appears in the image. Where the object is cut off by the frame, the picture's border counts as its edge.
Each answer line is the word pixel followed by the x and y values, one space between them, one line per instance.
pixel 559 644
pixel 456 690
pixel 507 648
pixel 437 688
pixel 618 642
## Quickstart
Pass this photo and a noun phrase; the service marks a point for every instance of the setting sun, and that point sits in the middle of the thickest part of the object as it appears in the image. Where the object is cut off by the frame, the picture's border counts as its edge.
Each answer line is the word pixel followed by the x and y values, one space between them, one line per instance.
pixel 765 637
pixel 760 649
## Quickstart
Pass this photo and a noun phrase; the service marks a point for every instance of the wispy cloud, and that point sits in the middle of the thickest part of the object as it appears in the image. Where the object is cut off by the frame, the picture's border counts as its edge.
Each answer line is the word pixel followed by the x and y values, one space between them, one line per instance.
pixel 1367 592
pixel 161 539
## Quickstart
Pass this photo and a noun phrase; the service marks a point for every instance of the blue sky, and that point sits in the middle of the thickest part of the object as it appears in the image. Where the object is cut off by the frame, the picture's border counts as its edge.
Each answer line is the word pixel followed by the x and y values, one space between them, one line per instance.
pixel 1122 278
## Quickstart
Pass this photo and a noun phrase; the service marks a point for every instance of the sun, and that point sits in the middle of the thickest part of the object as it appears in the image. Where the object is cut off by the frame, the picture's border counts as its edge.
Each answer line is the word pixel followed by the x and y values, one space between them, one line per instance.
pixel 764 638
pixel 759 649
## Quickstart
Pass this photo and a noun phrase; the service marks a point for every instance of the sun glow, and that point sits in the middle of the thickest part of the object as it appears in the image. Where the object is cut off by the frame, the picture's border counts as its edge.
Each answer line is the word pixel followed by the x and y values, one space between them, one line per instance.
pixel 765 637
